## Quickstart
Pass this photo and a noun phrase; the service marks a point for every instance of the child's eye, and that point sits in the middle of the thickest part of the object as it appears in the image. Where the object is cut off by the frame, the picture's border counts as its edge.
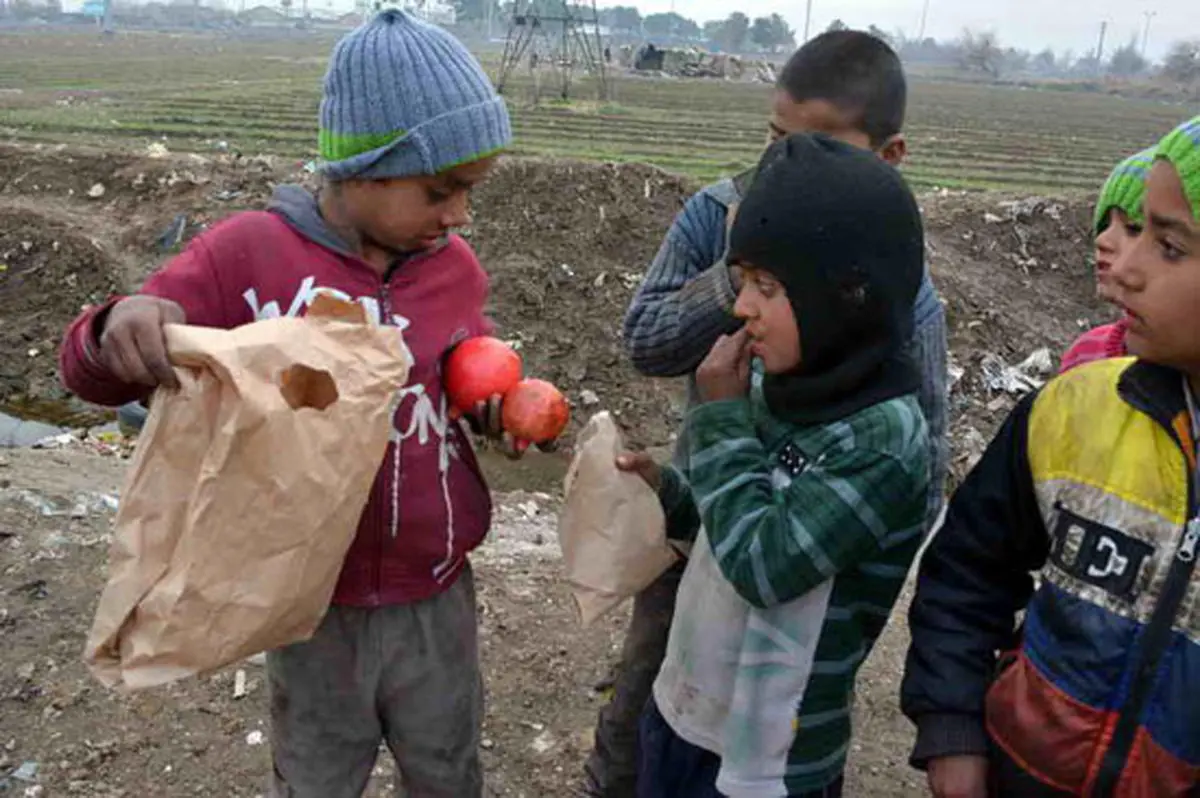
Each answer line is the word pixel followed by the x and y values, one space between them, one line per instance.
pixel 438 195
pixel 1170 251
pixel 1133 228
pixel 765 287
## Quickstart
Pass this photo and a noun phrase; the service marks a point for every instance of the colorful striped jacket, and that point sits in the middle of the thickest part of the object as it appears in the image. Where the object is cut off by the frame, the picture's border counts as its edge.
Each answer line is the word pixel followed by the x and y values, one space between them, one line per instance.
pixel 1090 486
pixel 807 536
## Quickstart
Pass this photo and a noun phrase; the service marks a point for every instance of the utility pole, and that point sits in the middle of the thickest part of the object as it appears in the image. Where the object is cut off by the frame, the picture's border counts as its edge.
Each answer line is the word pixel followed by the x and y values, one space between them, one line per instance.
pixel 1100 47
pixel 807 19
pixel 1146 33
pixel 924 19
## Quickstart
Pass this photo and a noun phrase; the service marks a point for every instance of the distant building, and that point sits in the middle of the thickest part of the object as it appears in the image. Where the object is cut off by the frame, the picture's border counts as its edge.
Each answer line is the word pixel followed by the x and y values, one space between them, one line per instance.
pixel 436 11
pixel 266 16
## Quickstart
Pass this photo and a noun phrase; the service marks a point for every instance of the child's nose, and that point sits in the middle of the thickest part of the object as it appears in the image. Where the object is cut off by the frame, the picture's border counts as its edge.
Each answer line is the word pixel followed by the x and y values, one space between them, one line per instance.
pixel 743 308
pixel 1127 270
pixel 458 211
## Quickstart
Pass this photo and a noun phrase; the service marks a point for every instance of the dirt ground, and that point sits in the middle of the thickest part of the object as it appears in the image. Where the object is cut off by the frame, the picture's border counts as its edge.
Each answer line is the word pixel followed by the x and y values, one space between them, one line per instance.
pixel 566 244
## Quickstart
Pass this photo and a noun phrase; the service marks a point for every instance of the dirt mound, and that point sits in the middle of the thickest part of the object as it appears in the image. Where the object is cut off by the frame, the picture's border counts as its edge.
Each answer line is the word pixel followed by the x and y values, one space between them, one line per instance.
pixel 566 245
pixel 149 193
pixel 48 271
pixel 1017 277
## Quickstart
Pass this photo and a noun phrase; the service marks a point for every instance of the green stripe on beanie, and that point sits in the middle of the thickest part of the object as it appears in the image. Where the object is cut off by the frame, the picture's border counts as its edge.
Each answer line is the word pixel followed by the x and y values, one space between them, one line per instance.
pixel 403 98
pixel 340 146
pixel 1124 190
pixel 1182 148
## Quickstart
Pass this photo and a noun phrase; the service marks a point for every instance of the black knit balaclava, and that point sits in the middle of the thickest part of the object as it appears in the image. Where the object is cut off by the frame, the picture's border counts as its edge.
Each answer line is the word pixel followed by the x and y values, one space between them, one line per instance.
pixel 840 229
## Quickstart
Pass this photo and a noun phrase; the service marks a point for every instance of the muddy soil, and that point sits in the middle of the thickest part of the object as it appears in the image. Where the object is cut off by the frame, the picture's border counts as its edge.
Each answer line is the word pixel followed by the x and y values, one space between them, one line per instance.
pixel 566 245
pixel 195 738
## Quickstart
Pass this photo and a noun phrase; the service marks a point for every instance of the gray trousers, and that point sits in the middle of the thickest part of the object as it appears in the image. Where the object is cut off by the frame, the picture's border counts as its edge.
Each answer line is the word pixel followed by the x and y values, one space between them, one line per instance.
pixel 407 675
pixel 611 769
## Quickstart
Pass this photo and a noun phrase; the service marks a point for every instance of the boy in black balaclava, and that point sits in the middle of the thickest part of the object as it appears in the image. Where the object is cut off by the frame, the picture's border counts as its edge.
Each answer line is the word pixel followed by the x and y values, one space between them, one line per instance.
pixel 806 484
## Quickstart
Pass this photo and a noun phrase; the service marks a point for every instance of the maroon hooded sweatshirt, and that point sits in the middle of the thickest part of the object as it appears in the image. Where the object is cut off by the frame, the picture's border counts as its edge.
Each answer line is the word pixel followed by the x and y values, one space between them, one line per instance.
pixel 429 505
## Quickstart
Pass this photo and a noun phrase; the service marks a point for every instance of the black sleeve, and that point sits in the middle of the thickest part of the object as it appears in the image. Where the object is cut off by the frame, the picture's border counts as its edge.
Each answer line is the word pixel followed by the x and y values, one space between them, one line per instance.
pixel 974 579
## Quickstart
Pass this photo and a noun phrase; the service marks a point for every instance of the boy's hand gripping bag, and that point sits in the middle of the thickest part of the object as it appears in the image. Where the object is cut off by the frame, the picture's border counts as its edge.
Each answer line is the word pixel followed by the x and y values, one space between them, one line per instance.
pixel 612 529
pixel 245 492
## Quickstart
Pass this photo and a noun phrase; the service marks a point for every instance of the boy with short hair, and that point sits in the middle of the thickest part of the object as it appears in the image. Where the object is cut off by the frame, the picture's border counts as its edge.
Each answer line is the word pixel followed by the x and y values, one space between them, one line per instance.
pixel 409 123
pixel 1118 220
pixel 848 85
pixel 1092 484
pixel 806 493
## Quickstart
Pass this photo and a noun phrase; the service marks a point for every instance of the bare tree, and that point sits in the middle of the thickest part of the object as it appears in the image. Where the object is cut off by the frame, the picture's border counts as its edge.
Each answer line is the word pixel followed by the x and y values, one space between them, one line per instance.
pixel 1183 62
pixel 1127 61
pixel 1045 62
pixel 980 52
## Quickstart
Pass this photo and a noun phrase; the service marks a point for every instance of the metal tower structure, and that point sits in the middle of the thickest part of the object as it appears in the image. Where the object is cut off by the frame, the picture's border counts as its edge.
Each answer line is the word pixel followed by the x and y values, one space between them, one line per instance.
pixel 564 34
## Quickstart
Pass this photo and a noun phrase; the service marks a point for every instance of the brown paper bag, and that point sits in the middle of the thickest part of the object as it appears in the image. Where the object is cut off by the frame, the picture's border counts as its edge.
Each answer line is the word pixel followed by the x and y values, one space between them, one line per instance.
pixel 612 529
pixel 245 492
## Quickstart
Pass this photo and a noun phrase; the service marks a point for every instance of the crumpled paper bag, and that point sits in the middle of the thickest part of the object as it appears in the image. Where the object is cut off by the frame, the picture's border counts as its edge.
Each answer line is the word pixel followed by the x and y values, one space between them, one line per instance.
pixel 245 492
pixel 612 529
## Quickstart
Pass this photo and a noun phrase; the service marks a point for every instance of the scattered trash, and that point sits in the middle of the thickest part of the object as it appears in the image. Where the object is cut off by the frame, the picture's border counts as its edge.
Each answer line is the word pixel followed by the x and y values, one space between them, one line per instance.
pixel 530 508
pixel 239 684
pixel 630 279
pixel 27 772
pixel 1019 379
pixel 81 506
pixel 543 743
pixel 35 590
pixel 255 738
pixel 96 191
pixel 1040 362
pixel 588 398
pixel 486 744
pixel 172 236
pixel 58 441
pixel 157 151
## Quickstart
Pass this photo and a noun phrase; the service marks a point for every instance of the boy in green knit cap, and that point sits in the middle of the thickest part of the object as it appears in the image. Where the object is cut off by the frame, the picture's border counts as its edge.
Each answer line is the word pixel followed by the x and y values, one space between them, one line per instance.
pixel 1092 484
pixel 1117 222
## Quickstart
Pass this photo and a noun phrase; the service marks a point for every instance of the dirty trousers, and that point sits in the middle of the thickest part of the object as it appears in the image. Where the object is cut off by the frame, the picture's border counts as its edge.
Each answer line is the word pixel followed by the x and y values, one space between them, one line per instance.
pixel 407 675
pixel 611 769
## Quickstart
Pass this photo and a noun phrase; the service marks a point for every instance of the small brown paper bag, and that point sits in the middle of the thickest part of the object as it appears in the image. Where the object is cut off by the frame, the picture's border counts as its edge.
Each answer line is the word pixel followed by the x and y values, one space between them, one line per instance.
pixel 612 529
pixel 245 492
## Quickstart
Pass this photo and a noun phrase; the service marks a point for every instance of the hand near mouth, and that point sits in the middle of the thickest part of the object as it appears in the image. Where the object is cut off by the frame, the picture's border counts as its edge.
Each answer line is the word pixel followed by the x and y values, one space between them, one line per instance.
pixel 725 372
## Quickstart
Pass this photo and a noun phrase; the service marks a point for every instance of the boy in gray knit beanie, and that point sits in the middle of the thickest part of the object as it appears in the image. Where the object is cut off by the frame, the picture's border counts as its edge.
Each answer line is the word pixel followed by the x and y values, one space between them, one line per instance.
pixel 409 124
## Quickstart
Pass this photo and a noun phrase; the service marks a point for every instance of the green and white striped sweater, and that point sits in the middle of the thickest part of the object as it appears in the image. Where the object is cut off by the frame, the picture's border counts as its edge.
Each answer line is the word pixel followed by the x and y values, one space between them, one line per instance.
pixel 804 536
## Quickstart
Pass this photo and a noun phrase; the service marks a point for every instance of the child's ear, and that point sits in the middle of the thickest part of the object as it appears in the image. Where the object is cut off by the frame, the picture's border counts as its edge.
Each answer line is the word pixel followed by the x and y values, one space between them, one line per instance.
pixel 894 150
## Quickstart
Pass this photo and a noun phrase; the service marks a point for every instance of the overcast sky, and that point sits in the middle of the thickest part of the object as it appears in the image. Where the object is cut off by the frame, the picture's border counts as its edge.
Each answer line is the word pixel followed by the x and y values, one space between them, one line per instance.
pixel 1029 24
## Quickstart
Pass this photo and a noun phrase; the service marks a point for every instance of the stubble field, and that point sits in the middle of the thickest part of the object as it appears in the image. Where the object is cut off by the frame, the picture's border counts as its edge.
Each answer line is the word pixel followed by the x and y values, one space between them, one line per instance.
pixel 260 94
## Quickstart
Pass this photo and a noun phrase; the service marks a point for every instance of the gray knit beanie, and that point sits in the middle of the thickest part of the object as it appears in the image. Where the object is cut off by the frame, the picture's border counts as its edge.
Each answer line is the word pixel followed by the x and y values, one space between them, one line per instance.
pixel 405 98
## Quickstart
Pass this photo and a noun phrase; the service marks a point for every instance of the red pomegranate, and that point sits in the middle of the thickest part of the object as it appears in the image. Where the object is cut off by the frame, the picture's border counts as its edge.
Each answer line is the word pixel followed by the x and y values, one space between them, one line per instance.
pixel 477 369
pixel 534 411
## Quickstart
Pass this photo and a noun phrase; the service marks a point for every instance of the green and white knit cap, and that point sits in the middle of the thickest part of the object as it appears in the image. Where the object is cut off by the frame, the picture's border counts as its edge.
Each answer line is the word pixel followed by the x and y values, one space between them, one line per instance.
pixel 1124 190
pixel 1182 148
